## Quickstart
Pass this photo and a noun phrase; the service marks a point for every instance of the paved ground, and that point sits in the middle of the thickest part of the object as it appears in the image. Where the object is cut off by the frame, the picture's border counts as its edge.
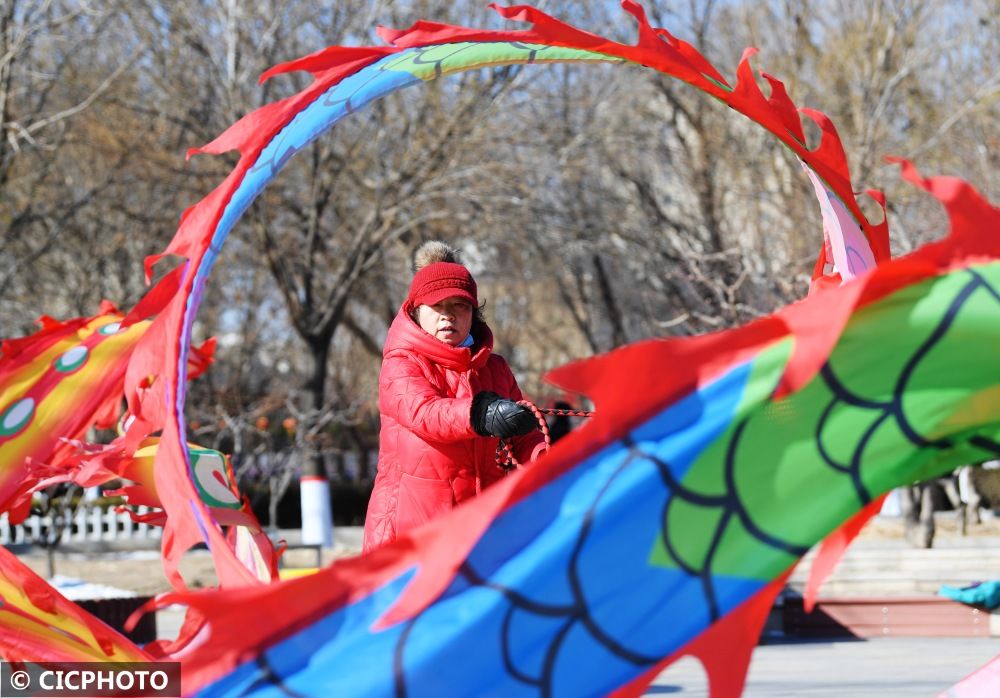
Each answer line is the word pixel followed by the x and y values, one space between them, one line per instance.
pixel 882 668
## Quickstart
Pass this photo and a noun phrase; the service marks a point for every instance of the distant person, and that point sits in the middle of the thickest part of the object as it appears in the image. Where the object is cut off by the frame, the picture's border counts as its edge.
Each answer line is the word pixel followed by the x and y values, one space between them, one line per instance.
pixel 560 424
pixel 444 400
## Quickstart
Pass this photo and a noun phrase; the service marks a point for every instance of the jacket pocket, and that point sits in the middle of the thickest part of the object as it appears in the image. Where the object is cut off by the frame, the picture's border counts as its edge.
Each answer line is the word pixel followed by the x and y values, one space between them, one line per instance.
pixel 420 500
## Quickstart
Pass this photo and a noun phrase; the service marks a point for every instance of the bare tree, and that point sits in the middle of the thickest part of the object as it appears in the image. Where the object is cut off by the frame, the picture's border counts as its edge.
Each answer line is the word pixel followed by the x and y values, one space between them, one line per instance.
pixel 52 75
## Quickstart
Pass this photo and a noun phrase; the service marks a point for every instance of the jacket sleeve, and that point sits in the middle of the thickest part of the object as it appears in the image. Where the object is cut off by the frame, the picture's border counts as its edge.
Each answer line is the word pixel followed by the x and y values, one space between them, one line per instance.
pixel 407 396
pixel 530 446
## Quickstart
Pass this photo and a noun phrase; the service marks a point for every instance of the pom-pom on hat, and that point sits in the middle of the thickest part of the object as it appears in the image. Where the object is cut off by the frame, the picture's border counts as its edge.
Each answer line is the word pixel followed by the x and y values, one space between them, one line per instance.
pixel 440 276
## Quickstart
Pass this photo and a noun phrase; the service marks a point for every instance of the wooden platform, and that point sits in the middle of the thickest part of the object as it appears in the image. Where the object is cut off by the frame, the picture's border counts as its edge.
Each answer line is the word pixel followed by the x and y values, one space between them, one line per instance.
pixel 898 616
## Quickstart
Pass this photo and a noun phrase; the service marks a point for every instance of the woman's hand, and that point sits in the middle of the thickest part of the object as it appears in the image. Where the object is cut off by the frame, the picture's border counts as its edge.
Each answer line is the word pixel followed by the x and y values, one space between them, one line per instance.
pixel 493 415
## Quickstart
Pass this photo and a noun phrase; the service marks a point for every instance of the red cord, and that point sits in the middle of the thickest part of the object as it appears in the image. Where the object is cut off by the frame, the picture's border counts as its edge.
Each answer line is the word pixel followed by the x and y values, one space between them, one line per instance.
pixel 505 455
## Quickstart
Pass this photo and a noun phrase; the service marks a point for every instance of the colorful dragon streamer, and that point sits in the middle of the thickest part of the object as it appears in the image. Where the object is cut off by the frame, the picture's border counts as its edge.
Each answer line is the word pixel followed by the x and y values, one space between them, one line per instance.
pixel 347 79
pixel 69 378
pixel 984 682
pixel 57 383
pixel 39 624
pixel 846 252
pixel 562 612
pixel 213 478
pixel 666 525
pixel 60 381
pixel 54 385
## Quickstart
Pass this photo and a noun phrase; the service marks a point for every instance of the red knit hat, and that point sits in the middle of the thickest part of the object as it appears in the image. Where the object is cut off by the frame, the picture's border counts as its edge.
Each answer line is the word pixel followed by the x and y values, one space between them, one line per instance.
pixel 440 280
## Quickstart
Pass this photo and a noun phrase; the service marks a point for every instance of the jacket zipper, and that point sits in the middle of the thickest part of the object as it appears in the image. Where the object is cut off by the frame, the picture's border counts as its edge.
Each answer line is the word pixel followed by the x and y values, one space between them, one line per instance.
pixel 475 450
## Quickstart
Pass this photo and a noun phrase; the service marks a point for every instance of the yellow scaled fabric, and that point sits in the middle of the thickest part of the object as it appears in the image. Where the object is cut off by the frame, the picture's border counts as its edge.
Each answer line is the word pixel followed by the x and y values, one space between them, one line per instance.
pixel 54 629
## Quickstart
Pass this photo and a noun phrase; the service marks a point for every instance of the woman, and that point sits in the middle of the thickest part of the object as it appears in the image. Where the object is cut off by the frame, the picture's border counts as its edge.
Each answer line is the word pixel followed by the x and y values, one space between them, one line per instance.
pixel 444 400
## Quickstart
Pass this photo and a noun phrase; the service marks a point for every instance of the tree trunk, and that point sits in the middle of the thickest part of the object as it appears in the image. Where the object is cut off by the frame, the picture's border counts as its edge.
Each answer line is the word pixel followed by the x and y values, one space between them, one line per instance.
pixel 314 485
pixel 613 310
pixel 315 386
pixel 361 448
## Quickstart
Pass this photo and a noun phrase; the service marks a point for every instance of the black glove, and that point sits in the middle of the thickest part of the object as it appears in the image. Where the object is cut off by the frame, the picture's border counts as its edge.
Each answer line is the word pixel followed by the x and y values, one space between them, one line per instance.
pixel 493 415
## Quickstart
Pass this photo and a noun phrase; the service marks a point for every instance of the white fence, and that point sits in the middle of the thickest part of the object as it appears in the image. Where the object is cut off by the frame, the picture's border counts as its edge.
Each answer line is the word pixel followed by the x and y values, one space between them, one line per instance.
pixel 87 523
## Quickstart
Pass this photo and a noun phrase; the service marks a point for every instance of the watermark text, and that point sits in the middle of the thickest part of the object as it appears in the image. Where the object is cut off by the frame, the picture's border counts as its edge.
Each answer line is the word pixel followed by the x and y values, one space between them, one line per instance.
pixel 96 679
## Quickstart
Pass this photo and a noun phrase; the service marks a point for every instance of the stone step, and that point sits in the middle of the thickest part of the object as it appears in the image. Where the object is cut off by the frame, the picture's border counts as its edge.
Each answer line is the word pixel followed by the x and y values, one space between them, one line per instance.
pixel 946 576
pixel 958 546
pixel 948 530
pixel 942 566
pixel 881 562
pixel 874 586
pixel 870 556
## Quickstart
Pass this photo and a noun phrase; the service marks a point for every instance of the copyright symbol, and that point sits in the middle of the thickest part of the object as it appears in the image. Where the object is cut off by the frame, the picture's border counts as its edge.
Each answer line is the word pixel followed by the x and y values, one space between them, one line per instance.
pixel 20 680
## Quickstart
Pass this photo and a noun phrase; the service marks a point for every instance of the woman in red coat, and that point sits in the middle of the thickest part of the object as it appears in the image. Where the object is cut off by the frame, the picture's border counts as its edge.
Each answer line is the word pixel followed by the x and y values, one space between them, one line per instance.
pixel 444 400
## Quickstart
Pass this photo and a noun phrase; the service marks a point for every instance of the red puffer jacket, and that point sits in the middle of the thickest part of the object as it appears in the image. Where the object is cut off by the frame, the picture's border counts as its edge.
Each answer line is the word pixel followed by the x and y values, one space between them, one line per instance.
pixel 430 459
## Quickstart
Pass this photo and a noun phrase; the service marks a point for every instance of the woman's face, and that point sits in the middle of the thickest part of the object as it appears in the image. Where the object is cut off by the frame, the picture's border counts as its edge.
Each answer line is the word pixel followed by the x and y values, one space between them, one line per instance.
pixel 450 320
